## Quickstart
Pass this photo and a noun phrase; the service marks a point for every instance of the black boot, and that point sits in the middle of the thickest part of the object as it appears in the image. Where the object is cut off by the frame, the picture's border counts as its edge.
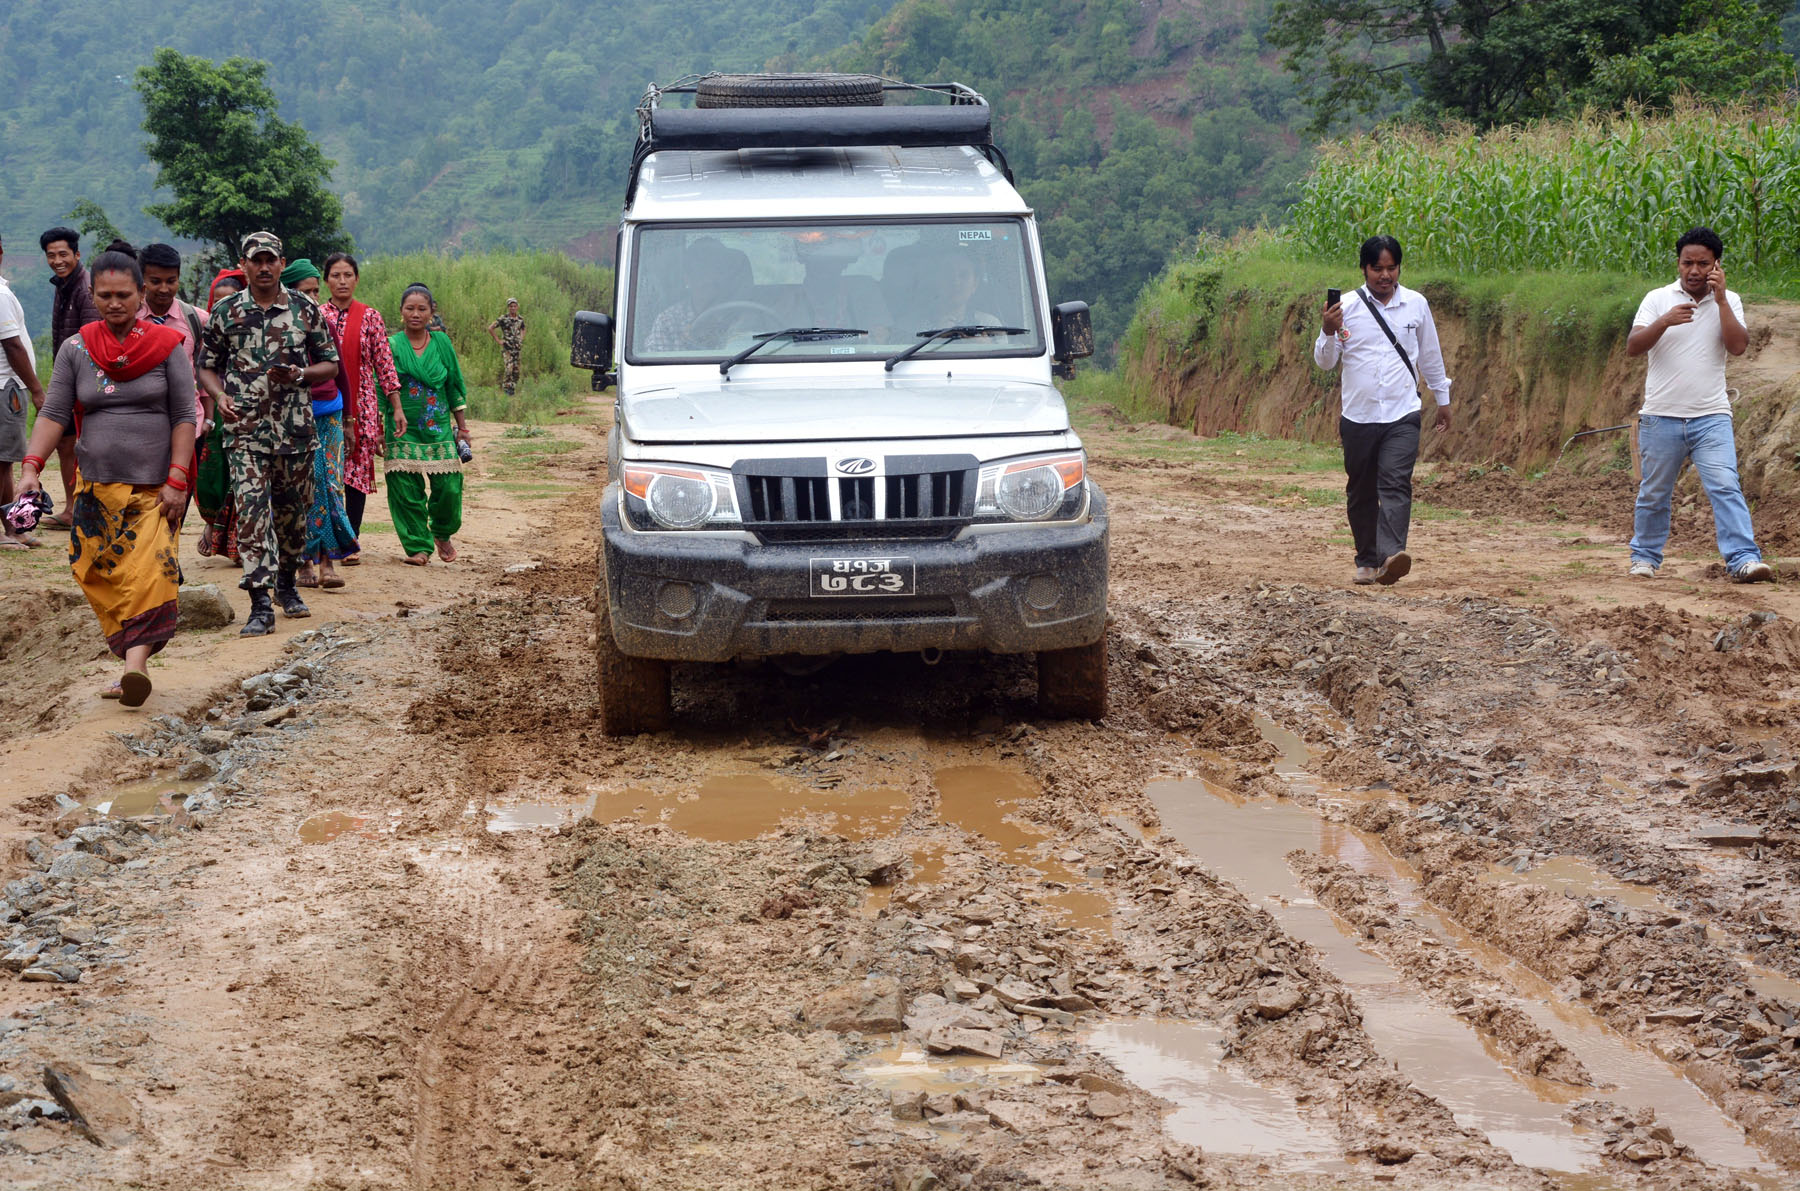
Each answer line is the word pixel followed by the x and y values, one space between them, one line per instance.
pixel 288 596
pixel 262 616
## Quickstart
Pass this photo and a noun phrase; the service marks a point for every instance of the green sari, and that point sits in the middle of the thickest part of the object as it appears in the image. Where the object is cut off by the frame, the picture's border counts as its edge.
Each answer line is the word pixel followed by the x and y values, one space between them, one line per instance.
pixel 431 390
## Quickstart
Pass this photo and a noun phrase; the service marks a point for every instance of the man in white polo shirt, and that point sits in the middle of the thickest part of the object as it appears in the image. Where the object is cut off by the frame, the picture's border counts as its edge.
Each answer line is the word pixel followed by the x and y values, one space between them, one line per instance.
pixel 1688 328
pixel 18 382
pixel 1384 335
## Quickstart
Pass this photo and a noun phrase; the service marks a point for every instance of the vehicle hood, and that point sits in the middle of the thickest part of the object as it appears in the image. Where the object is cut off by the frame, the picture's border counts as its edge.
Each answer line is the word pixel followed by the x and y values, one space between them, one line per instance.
pixel 839 408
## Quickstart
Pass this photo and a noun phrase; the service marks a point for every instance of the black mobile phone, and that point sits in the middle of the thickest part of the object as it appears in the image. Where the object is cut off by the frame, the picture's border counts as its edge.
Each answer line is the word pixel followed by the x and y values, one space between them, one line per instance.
pixel 1332 296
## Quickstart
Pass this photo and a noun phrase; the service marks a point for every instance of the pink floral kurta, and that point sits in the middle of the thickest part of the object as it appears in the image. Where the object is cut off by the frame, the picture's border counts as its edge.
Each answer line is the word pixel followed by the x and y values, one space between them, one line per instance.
pixel 378 377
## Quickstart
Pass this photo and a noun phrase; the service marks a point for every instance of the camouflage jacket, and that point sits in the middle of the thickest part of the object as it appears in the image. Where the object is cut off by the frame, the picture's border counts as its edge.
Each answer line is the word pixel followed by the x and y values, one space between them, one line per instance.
pixel 242 342
pixel 512 331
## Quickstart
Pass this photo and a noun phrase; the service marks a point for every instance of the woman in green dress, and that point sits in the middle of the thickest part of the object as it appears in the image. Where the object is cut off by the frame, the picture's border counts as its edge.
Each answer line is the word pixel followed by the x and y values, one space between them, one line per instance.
pixel 424 462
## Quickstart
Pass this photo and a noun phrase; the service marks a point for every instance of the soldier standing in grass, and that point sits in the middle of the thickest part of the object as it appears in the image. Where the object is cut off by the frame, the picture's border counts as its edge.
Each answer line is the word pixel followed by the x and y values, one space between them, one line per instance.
pixel 512 341
pixel 261 353
pixel 1687 329
pixel 1385 338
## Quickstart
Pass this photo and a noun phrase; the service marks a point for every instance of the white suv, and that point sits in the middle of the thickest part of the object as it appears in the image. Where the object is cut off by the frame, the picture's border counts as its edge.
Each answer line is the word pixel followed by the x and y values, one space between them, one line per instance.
pixel 836 428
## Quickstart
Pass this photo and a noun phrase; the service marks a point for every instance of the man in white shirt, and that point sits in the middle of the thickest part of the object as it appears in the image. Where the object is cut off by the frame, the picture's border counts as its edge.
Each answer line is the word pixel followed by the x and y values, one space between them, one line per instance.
pixel 1689 328
pixel 1381 413
pixel 18 382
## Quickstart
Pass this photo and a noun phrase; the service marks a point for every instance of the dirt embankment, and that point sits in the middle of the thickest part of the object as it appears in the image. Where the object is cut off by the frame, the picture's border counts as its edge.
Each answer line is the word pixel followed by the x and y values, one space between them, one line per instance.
pixel 1518 394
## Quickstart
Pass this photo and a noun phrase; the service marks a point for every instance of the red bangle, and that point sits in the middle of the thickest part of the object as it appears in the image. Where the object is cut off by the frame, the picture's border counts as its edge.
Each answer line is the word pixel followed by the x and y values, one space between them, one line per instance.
pixel 36 461
pixel 186 471
pixel 176 484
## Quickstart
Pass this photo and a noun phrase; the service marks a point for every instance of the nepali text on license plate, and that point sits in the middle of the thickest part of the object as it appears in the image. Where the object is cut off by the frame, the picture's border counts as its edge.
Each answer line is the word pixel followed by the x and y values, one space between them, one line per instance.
pixel 862 576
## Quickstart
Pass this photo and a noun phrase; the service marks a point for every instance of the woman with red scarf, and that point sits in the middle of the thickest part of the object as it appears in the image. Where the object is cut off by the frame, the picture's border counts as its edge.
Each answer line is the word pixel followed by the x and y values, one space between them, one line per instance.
pixel 134 390
pixel 367 362
pixel 212 474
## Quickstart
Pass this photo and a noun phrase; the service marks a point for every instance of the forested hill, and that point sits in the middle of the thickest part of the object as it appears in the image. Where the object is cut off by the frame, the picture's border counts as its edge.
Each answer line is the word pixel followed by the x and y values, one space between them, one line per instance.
pixel 462 124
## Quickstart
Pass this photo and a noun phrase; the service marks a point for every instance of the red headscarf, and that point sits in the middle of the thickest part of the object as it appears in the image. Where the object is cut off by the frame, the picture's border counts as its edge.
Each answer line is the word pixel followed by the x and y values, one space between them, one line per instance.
pixel 145 346
pixel 212 293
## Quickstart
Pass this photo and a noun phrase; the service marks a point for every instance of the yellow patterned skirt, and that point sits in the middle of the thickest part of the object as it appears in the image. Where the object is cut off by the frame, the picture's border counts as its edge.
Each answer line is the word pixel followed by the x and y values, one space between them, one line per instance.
pixel 123 553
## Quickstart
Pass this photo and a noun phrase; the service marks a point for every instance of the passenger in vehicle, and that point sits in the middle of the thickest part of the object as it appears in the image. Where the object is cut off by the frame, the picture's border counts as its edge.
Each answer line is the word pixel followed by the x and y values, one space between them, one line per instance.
pixel 717 286
pixel 828 296
pixel 952 291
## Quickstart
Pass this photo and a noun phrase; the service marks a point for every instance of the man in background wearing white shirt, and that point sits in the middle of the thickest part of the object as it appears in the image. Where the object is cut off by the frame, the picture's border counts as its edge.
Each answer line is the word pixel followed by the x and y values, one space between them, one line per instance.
pixel 18 381
pixel 1688 328
pixel 1381 410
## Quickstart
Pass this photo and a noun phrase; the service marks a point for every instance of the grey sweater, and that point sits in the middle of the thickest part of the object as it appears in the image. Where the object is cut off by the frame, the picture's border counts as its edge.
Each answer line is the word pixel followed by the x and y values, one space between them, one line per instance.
pixel 124 433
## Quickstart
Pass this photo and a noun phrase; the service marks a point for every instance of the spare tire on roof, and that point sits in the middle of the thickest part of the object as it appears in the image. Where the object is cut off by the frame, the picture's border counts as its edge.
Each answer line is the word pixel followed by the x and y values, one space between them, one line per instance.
pixel 787 91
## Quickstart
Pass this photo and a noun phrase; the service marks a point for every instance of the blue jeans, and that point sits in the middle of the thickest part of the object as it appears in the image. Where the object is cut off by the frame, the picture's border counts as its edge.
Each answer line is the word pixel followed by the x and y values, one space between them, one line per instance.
pixel 1664 444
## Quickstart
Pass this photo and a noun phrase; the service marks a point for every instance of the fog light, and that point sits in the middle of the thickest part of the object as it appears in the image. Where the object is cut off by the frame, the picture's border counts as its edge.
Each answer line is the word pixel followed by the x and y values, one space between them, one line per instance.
pixel 1042 592
pixel 676 600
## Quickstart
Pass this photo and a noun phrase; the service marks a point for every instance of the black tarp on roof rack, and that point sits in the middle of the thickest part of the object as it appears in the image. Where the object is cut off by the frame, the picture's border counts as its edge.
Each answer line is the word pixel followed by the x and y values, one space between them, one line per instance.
pixel 964 119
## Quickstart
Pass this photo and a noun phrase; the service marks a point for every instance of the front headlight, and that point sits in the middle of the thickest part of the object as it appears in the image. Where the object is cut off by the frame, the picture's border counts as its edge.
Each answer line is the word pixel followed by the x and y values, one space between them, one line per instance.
pixel 663 496
pixel 1037 488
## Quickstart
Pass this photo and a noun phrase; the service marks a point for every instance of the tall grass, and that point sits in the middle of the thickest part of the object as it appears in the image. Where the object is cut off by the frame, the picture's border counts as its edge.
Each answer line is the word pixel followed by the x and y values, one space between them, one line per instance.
pixel 1596 194
pixel 471 292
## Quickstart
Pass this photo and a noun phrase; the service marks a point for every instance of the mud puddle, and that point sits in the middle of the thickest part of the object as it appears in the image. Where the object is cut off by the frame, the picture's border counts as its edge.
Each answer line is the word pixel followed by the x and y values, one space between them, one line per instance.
pixel 727 808
pixel 1216 1108
pixel 329 825
pixel 156 796
pixel 1246 842
pixel 981 800
pixel 906 1068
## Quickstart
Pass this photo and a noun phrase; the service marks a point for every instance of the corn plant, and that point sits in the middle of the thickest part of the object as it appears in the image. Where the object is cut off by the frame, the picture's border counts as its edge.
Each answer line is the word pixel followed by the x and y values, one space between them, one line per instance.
pixel 1598 193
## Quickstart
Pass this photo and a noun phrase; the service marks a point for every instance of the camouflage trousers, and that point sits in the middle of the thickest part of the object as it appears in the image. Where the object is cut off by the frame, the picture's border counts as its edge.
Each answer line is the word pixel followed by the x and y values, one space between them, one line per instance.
pixel 272 494
pixel 509 371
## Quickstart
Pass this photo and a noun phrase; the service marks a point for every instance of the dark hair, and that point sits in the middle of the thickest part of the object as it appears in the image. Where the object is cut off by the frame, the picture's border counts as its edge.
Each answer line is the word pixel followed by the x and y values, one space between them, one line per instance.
pixel 60 233
pixel 1374 246
pixel 1706 238
pixel 162 256
pixel 335 257
pixel 236 283
pixel 418 287
pixel 119 257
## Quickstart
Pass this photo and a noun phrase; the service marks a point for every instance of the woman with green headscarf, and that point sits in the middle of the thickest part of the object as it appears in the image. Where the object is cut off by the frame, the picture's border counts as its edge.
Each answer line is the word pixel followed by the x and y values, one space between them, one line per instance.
pixel 329 536
pixel 424 463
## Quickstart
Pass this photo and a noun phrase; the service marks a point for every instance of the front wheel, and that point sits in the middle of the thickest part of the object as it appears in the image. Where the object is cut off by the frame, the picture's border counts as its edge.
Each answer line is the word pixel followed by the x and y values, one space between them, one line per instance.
pixel 634 692
pixel 1072 682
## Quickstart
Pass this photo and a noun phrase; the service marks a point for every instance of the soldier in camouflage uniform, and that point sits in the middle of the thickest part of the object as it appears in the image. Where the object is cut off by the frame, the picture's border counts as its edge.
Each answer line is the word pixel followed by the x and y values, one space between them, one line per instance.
pixel 263 349
pixel 512 341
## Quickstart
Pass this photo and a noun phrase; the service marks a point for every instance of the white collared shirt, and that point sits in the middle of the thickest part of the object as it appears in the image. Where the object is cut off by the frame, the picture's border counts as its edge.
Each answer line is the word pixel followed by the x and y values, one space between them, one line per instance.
pixel 1377 386
pixel 12 326
pixel 1686 378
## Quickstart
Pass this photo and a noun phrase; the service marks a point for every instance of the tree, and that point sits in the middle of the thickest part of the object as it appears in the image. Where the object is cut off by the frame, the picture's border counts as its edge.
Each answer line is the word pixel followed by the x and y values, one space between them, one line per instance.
pixel 1500 61
pixel 233 165
pixel 90 219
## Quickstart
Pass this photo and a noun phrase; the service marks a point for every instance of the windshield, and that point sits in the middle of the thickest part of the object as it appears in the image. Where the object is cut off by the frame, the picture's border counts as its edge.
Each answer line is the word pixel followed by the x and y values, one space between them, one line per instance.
pixel 704 293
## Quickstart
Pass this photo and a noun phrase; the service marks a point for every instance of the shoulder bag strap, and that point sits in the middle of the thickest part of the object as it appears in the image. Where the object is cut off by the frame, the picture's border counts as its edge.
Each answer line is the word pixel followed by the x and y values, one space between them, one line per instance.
pixel 1369 304
pixel 193 322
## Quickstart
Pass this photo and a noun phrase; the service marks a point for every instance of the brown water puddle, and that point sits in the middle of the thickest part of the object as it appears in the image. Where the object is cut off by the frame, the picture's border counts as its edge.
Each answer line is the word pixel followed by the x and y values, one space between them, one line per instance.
pixel 731 808
pixel 903 1067
pixel 1216 1107
pixel 325 827
pixel 981 800
pixel 156 796
pixel 1246 842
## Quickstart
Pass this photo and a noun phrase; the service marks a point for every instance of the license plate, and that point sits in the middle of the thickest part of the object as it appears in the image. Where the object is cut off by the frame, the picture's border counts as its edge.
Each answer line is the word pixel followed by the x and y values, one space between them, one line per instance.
pixel 834 577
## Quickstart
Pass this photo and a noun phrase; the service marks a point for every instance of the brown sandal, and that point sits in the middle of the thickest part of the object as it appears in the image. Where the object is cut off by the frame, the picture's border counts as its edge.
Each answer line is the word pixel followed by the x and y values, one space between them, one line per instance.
pixel 417 560
pixel 134 688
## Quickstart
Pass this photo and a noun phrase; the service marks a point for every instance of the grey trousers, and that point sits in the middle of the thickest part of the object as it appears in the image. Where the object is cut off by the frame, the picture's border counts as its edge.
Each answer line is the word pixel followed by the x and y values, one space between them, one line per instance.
pixel 1378 459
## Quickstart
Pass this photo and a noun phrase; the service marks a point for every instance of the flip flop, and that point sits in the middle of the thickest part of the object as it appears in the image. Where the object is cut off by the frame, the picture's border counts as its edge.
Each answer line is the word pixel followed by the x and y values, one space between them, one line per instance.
pixel 354 560
pixel 446 550
pixel 331 583
pixel 57 521
pixel 111 692
pixel 417 560
pixel 10 544
pixel 134 688
pixel 309 581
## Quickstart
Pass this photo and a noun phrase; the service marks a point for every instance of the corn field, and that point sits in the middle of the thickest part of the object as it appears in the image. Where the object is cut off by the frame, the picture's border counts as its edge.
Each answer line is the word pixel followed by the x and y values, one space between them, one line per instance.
pixel 1594 194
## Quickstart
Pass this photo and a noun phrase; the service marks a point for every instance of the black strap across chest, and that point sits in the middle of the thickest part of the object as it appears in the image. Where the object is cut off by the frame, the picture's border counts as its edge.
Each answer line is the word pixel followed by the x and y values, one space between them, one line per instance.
pixel 1369 304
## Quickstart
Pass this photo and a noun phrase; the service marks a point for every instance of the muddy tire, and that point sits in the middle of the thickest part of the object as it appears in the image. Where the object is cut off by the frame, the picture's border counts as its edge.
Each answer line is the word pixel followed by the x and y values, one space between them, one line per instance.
pixel 1072 682
pixel 634 692
pixel 788 91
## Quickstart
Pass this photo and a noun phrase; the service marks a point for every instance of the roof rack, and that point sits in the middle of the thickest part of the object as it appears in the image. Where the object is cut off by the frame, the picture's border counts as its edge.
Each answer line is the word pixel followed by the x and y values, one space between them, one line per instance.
pixel 965 119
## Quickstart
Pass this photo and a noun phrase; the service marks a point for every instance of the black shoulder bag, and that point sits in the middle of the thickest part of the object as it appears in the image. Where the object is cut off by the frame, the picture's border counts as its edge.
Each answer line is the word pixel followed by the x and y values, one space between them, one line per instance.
pixel 1369 304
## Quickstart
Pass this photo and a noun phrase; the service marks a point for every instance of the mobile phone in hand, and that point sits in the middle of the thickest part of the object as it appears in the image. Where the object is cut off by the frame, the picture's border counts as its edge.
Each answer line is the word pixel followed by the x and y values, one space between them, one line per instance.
pixel 1332 296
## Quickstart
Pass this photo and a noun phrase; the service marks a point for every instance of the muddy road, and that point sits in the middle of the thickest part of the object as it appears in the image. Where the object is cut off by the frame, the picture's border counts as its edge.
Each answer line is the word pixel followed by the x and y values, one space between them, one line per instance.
pixel 1486 880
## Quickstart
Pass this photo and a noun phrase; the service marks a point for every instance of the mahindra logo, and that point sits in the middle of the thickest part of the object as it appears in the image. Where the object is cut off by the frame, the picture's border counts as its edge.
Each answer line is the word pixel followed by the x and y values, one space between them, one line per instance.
pixel 856 467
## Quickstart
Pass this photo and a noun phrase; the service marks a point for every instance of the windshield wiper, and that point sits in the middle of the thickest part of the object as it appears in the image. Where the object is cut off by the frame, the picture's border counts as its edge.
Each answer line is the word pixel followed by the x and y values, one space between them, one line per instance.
pixel 968 331
pixel 791 335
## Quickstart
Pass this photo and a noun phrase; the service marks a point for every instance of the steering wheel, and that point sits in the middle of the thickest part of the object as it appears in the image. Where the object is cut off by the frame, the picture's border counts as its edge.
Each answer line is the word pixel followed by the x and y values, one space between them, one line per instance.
pixel 715 322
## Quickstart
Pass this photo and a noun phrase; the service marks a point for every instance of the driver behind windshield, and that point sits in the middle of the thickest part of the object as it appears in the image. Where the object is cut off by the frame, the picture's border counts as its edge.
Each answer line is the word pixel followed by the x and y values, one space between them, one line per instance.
pixel 713 275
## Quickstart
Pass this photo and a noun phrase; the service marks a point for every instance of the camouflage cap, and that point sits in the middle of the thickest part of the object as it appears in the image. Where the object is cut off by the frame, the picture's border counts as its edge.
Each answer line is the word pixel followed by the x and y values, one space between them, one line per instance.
pixel 512 301
pixel 257 242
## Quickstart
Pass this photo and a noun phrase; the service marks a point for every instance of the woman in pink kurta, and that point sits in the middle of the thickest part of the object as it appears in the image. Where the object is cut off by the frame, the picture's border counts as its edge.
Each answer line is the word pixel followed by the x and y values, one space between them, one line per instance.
pixel 368 365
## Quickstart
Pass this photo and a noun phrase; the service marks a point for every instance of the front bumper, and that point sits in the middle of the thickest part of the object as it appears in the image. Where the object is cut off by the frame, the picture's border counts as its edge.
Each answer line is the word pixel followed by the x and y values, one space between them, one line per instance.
pixel 1015 591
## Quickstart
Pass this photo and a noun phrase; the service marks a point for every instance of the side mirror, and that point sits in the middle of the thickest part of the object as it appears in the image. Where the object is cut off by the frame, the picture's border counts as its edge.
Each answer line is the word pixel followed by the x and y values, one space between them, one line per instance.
pixel 1071 336
pixel 591 345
